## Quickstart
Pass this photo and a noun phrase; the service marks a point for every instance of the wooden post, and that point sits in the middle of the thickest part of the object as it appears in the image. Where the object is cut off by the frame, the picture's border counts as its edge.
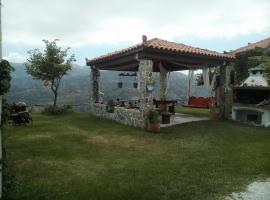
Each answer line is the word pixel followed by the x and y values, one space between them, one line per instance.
pixel 224 102
pixel 1 155
pixel 163 83
pixel 146 98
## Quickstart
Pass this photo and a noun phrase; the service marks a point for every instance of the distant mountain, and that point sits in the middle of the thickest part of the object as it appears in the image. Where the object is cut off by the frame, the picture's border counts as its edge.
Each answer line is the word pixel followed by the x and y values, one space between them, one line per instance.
pixel 75 87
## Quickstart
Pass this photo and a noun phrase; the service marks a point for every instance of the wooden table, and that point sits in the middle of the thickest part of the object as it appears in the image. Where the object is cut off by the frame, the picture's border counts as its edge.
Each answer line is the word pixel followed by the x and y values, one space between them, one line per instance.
pixel 165 105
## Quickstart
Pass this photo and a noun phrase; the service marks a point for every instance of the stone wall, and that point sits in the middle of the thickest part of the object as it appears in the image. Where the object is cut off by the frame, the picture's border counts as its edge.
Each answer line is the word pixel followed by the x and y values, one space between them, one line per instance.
pixel 125 116
pixel 145 73
pixel 94 86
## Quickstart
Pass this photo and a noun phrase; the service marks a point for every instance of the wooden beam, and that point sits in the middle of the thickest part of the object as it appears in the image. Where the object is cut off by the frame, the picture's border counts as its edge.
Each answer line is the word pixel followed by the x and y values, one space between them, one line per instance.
pixel 125 60
pixel 127 67
pixel 181 58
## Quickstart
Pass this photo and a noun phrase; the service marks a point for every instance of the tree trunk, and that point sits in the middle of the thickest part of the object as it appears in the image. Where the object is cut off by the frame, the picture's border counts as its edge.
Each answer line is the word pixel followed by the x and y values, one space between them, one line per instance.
pixel 54 88
pixel 1 107
pixel 55 97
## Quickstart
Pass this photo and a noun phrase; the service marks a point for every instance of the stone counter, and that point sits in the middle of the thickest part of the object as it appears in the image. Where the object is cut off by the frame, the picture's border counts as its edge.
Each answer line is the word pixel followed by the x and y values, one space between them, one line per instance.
pixel 125 116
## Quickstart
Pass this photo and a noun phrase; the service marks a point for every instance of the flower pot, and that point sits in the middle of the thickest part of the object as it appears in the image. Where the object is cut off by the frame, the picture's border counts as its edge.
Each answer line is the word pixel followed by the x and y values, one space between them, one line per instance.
pixel 214 115
pixel 154 127
pixel 165 118
pixel 135 85
pixel 150 87
pixel 120 84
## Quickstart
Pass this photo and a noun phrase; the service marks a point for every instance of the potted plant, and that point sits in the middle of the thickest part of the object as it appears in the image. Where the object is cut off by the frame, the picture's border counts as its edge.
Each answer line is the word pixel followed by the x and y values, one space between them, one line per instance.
pixel 135 85
pixel 153 120
pixel 150 85
pixel 110 106
pixel 120 84
pixel 214 113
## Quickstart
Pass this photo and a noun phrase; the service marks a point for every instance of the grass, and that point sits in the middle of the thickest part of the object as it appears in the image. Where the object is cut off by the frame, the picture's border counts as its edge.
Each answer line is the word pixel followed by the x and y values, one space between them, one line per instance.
pixel 78 156
pixel 192 111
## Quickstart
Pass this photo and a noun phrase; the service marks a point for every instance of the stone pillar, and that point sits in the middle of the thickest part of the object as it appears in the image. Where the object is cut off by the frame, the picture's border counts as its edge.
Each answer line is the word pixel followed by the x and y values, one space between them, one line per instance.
pixel 163 83
pixel 146 98
pixel 94 81
pixel 224 96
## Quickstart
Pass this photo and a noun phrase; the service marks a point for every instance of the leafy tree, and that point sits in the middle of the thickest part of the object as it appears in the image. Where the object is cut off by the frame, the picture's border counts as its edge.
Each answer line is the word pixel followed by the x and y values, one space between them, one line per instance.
pixel 250 59
pixel 5 76
pixel 50 65
pixel 262 60
pixel 199 77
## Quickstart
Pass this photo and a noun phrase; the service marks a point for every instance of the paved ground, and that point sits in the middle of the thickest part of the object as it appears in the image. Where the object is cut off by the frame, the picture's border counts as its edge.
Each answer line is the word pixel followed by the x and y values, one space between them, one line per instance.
pixel 254 191
pixel 183 118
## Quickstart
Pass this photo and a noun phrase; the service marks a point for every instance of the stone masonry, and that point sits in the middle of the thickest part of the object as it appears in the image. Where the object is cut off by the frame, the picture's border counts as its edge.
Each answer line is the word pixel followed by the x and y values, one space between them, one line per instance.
pixel 133 117
pixel 124 116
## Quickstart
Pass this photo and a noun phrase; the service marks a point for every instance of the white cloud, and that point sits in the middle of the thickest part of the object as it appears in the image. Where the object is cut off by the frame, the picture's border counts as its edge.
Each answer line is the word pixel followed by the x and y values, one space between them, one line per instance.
pixel 15 57
pixel 111 22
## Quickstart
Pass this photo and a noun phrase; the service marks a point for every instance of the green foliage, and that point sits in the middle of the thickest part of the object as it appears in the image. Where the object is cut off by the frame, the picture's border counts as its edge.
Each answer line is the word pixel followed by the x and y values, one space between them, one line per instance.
pixel 50 66
pixel 267 70
pixel 58 110
pixel 199 77
pixel 251 59
pixel 5 111
pixel 5 77
pixel 152 115
pixel 263 62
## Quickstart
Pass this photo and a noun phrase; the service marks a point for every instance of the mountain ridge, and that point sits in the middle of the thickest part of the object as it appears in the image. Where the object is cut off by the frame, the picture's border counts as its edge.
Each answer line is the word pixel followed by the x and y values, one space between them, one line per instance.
pixel 75 87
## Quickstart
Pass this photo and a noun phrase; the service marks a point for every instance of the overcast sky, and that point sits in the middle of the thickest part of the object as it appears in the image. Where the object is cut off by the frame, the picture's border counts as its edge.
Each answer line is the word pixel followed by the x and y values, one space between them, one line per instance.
pixel 94 27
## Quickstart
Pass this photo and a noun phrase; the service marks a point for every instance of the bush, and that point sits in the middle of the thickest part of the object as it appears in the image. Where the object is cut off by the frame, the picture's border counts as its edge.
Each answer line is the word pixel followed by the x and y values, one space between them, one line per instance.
pixel 58 110
pixel 5 115
pixel 5 76
pixel 152 115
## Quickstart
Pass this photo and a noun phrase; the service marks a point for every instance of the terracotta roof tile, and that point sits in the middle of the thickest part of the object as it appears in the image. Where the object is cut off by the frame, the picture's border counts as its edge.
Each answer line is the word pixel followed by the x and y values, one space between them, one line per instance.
pixel 262 44
pixel 166 46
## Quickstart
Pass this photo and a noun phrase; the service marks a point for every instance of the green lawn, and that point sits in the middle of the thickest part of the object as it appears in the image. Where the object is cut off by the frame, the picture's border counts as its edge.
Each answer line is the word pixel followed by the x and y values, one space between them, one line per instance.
pixel 192 111
pixel 78 156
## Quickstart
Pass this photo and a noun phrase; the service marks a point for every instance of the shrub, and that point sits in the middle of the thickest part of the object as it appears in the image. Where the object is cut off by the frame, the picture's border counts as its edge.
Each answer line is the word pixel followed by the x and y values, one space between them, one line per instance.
pixel 5 115
pixel 68 107
pixel 152 115
pixel 58 110
pixel 5 76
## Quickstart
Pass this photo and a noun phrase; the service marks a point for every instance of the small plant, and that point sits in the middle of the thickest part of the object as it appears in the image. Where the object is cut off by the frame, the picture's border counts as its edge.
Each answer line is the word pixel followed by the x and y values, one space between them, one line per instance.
pixel 68 107
pixel 57 110
pixel 153 116
pixel 110 106
pixel 214 111
pixel 151 81
pixel 153 120
pixel 5 115
pixel 135 85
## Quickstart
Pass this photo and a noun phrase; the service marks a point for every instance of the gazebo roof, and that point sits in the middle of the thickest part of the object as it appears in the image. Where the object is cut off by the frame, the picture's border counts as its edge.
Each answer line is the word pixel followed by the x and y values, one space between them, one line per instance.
pixel 172 55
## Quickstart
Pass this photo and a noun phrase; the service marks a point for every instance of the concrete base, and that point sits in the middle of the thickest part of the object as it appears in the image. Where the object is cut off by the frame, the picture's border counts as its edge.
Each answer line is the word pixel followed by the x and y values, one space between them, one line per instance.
pixel 252 114
pixel 183 118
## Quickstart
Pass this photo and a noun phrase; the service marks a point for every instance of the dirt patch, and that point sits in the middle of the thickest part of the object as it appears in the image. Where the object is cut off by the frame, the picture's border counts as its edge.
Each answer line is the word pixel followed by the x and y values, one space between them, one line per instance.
pixel 100 140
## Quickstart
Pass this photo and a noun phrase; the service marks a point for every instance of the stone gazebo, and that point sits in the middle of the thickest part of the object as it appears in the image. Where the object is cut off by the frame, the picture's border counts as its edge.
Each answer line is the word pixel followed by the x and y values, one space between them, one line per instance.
pixel 153 55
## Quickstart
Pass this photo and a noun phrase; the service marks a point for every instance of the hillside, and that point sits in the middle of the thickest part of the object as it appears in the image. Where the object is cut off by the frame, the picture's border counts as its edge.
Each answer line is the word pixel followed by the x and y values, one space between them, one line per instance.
pixel 75 87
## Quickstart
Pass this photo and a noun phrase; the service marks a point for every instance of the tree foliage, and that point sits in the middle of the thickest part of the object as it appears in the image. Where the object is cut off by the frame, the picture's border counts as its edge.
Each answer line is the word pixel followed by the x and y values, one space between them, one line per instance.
pixel 199 77
pixel 250 59
pixel 5 76
pixel 50 65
